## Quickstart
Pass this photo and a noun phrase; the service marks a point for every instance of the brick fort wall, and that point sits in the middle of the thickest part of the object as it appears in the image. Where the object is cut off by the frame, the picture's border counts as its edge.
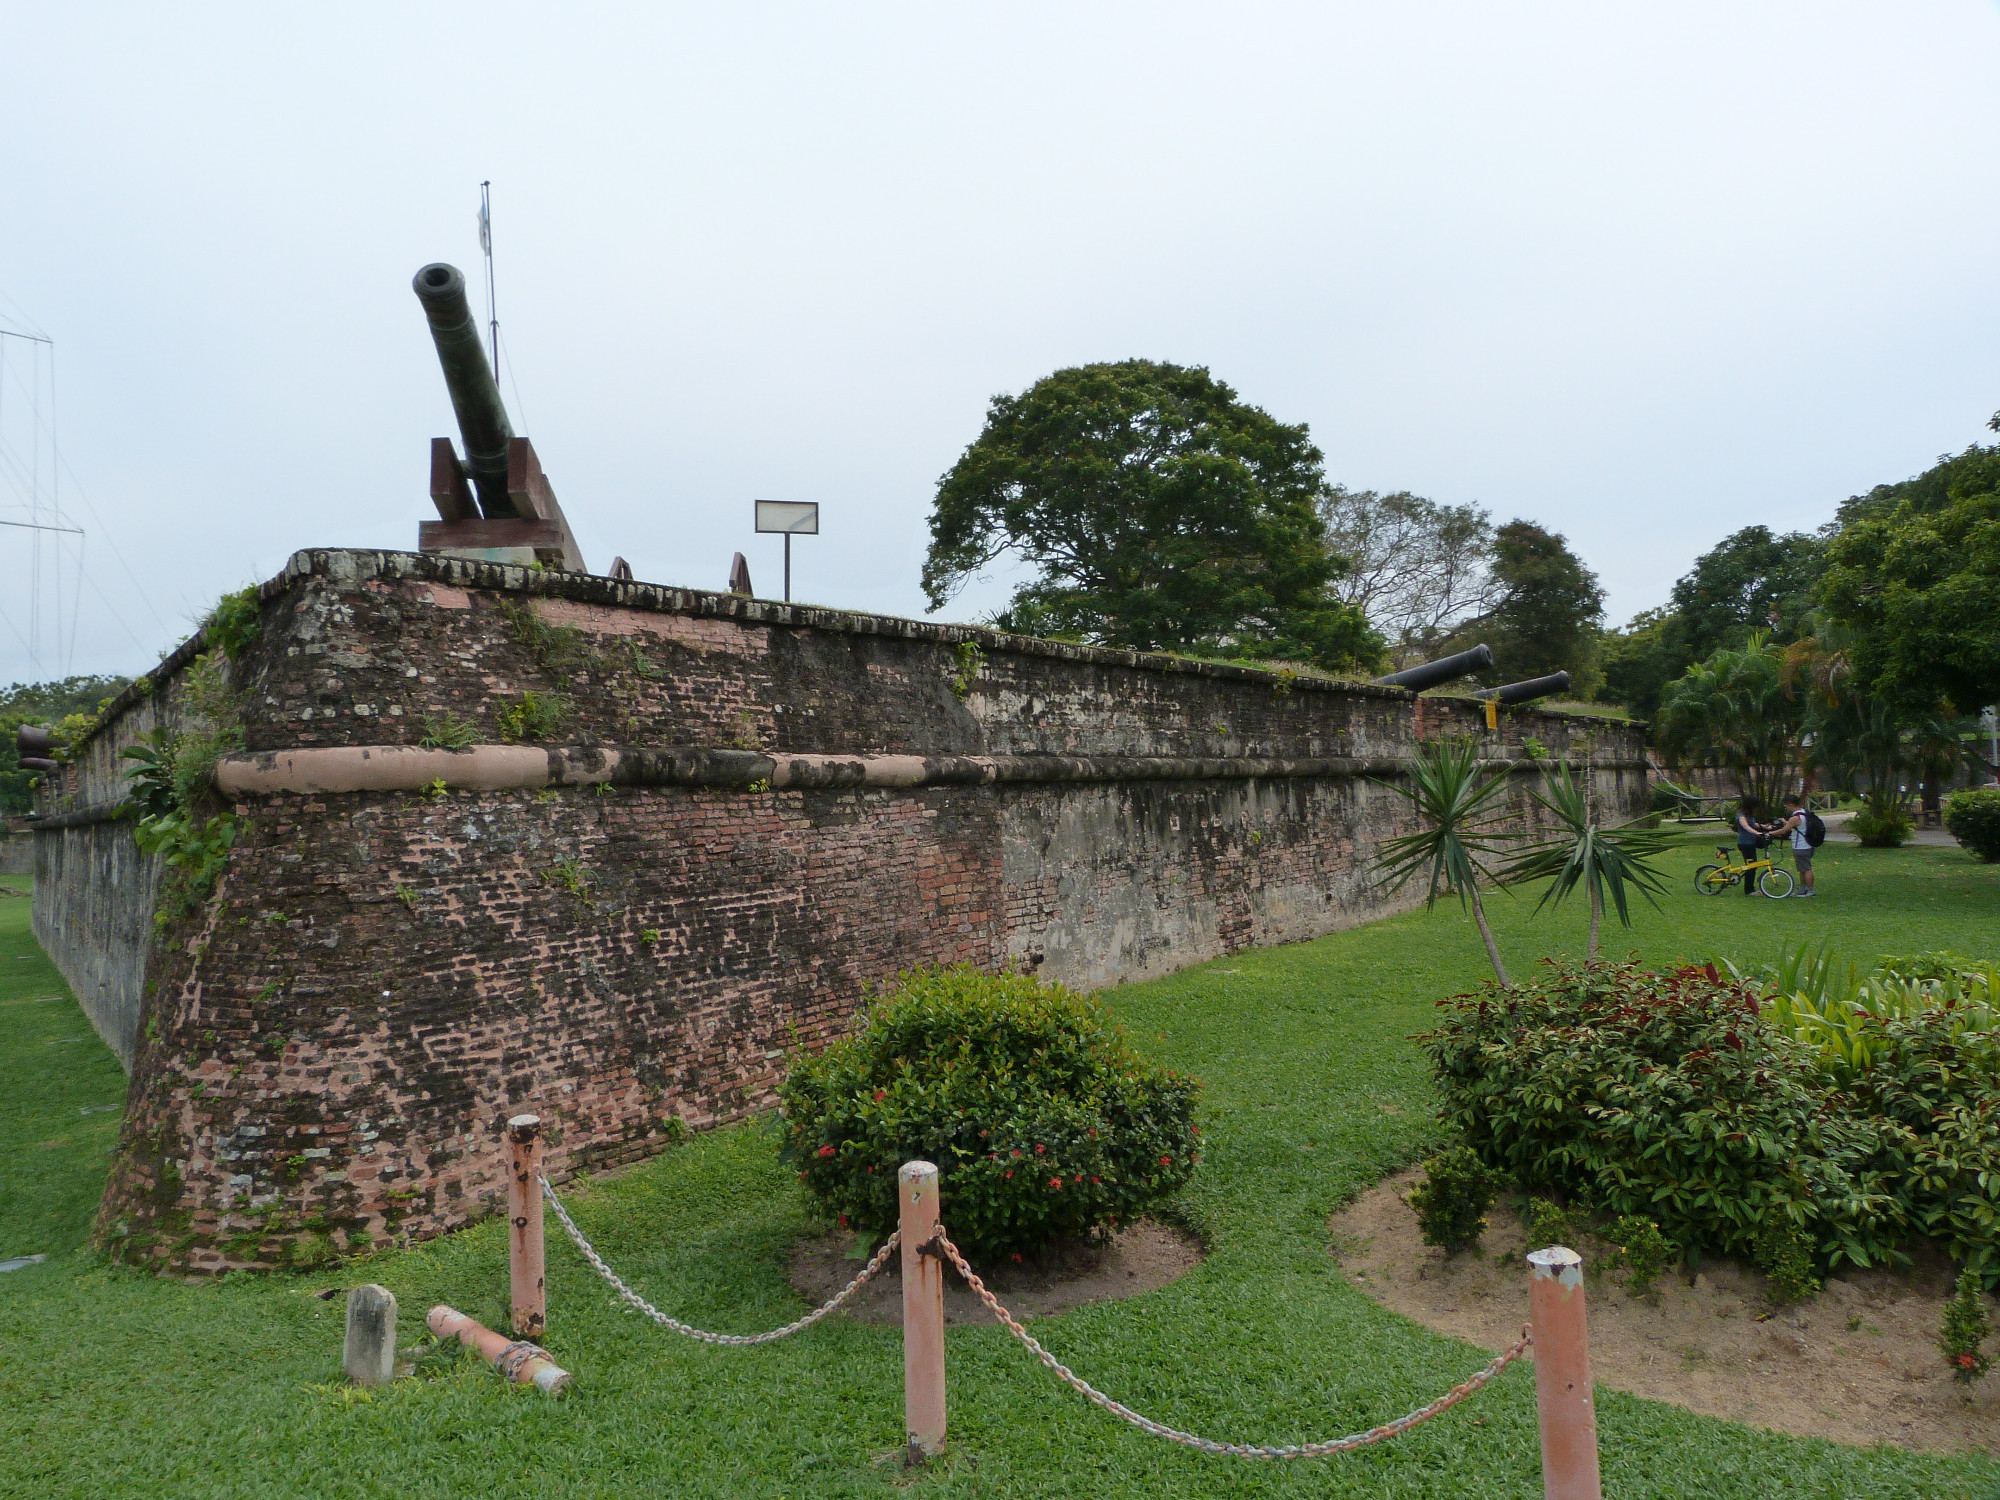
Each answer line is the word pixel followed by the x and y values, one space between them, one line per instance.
pixel 744 818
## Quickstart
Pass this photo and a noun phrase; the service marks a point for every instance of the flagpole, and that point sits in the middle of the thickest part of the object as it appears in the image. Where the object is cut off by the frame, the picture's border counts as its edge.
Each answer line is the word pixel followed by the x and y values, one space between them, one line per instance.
pixel 486 245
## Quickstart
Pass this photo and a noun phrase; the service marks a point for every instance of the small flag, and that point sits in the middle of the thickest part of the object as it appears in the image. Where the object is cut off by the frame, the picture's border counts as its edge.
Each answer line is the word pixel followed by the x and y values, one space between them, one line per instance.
pixel 485 229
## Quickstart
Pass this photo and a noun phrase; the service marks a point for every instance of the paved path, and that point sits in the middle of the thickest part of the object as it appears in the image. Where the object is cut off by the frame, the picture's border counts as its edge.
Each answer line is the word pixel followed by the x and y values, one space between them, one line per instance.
pixel 1929 838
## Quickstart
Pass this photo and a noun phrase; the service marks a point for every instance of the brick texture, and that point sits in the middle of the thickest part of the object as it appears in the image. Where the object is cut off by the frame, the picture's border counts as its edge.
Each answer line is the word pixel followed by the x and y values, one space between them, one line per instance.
pixel 328 1051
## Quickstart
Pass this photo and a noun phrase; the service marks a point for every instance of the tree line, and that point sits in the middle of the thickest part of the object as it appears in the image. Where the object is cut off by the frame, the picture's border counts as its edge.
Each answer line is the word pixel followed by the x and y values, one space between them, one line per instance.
pixel 1158 511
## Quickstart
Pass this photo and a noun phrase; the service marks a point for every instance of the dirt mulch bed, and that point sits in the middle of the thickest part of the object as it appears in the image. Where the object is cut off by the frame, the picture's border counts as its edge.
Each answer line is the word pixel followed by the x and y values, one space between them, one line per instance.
pixel 1859 1364
pixel 1138 1259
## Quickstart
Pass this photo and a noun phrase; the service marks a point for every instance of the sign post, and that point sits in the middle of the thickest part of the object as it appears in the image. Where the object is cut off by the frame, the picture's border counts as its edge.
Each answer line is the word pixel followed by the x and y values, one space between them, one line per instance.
pixel 788 518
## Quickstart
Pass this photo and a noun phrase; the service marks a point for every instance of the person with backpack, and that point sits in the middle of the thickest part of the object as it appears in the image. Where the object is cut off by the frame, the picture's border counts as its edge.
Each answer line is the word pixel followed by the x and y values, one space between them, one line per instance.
pixel 1808 832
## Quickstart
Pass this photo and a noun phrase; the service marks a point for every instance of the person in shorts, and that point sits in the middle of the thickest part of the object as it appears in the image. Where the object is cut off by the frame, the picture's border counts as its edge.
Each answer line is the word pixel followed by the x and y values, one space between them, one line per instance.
pixel 1802 851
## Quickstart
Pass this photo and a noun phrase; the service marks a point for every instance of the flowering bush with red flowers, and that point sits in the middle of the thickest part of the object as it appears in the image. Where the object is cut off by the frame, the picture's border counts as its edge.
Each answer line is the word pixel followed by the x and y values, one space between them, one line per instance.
pixel 1966 1325
pixel 1668 1095
pixel 1043 1121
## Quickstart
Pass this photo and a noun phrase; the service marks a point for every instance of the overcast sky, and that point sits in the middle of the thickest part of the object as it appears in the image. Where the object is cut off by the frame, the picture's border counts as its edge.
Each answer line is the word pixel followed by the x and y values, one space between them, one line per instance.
pixel 1644 275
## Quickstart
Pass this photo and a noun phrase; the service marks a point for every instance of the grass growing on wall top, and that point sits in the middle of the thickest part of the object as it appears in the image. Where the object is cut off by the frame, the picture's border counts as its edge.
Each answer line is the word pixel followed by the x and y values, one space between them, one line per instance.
pixel 112 1383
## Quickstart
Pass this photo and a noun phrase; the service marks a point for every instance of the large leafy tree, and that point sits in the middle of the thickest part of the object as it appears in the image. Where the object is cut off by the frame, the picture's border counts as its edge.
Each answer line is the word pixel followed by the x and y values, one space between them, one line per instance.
pixel 1549 612
pixel 1161 512
pixel 1639 661
pixel 1413 566
pixel 1913 577
pixel 1753 581
pixel 1736 589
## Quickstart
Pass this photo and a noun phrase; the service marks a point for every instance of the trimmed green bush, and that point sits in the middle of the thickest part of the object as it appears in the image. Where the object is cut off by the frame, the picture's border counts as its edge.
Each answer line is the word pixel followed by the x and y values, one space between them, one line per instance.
pixel 1452 1200
pixel 1784 1252
pixel 1547 1222
pixel 1663 1095
pixel 1889 828
pixel 1638 1245
pixel 1671 1096
pixel 1973 818
pixel 1934 1089
pixel 1043 1121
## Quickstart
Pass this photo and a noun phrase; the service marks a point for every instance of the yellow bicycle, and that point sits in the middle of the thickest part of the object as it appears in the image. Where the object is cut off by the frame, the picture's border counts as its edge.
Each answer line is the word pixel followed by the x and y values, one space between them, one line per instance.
pixel 1771 879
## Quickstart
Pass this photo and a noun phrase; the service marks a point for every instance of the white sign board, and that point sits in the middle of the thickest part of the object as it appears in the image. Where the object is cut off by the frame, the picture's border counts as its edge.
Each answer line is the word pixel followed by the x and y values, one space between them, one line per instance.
pixel 792 517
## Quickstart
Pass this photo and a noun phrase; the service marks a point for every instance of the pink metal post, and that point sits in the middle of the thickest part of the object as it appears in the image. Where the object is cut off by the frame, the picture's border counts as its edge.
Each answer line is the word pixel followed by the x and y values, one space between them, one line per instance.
pixel 923 1312
pixel 1562 1375
pixel 516 1359
pixel 526 1269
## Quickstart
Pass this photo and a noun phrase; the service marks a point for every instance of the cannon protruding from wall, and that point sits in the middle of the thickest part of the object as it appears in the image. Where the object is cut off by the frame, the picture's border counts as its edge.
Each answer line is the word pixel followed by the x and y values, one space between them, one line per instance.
pixel 1445 669
pixel 34 744
pixel 1530 689
pixel 495 504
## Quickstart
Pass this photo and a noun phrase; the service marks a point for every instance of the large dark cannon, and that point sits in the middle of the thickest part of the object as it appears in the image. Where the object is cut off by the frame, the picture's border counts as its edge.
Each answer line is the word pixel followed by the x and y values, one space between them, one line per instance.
pixel 1532 688
pixel 497 504
pixel 475 395
pixel 34 744
pixel 1444 669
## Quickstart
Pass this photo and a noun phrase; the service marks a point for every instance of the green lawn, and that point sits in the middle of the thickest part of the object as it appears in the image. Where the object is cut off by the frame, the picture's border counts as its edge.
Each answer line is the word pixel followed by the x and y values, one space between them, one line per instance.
pixel 112 1383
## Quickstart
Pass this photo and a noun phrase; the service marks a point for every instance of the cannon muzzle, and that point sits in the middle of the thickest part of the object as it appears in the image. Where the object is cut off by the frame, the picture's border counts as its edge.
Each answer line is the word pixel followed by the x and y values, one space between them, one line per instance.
pixel 34 747
pixel 475 396
pixel 1444 669
pixel 1534 687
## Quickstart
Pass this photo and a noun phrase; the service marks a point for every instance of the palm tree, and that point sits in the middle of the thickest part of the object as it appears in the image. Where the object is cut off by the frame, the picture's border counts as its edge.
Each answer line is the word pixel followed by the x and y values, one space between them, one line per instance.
pixel 1739 709
pixel 1601 860
pixel 1462 810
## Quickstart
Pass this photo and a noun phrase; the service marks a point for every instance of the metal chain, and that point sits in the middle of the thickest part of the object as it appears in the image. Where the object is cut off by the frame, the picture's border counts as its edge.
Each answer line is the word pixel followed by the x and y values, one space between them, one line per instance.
pixel 881 1259
pixel 518 1354
pixel 1237 1450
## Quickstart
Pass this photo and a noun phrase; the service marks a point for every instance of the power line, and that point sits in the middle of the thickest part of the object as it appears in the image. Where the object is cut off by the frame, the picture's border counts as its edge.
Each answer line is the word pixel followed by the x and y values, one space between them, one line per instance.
pixel 17 634
pixel 108 605
pixel 22 318
pixel 520 406
pixel 75 605
pixel 104 527
pixel 111 540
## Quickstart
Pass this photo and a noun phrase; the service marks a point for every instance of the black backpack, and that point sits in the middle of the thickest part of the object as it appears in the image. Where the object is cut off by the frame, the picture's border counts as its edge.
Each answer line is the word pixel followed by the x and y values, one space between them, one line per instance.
pixel 1815 829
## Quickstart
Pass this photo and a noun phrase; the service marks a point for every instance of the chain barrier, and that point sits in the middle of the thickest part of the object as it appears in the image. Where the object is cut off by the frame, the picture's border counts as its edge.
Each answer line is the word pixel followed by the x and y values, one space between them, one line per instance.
pixel 1061 1371
pixel 1083 1388
pixel 881 1259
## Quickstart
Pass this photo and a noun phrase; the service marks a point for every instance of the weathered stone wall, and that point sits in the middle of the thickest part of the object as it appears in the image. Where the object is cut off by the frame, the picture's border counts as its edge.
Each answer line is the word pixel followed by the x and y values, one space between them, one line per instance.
pixel 95 893
pixel 17 849
pixel 324 1056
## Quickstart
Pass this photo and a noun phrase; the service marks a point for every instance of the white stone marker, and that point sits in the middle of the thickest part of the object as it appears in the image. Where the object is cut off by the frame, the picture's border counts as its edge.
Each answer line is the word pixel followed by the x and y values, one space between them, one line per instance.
pixel 369 1357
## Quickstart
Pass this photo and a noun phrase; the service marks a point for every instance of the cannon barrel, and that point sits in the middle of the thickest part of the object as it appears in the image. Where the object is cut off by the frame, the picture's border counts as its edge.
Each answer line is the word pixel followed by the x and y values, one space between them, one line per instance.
pixel 1532 688
pixel 34 744
pixel 475 396
pixel 1444 669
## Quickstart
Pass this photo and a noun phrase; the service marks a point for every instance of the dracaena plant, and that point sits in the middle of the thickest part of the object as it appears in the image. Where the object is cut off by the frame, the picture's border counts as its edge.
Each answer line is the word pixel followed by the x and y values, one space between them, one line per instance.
pixel 1604 862
pixel 1460 810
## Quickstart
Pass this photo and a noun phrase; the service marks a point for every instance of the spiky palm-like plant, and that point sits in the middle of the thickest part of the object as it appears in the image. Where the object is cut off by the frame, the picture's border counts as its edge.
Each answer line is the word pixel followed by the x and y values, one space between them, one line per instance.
pixel 1460 810
pixel 1604 861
